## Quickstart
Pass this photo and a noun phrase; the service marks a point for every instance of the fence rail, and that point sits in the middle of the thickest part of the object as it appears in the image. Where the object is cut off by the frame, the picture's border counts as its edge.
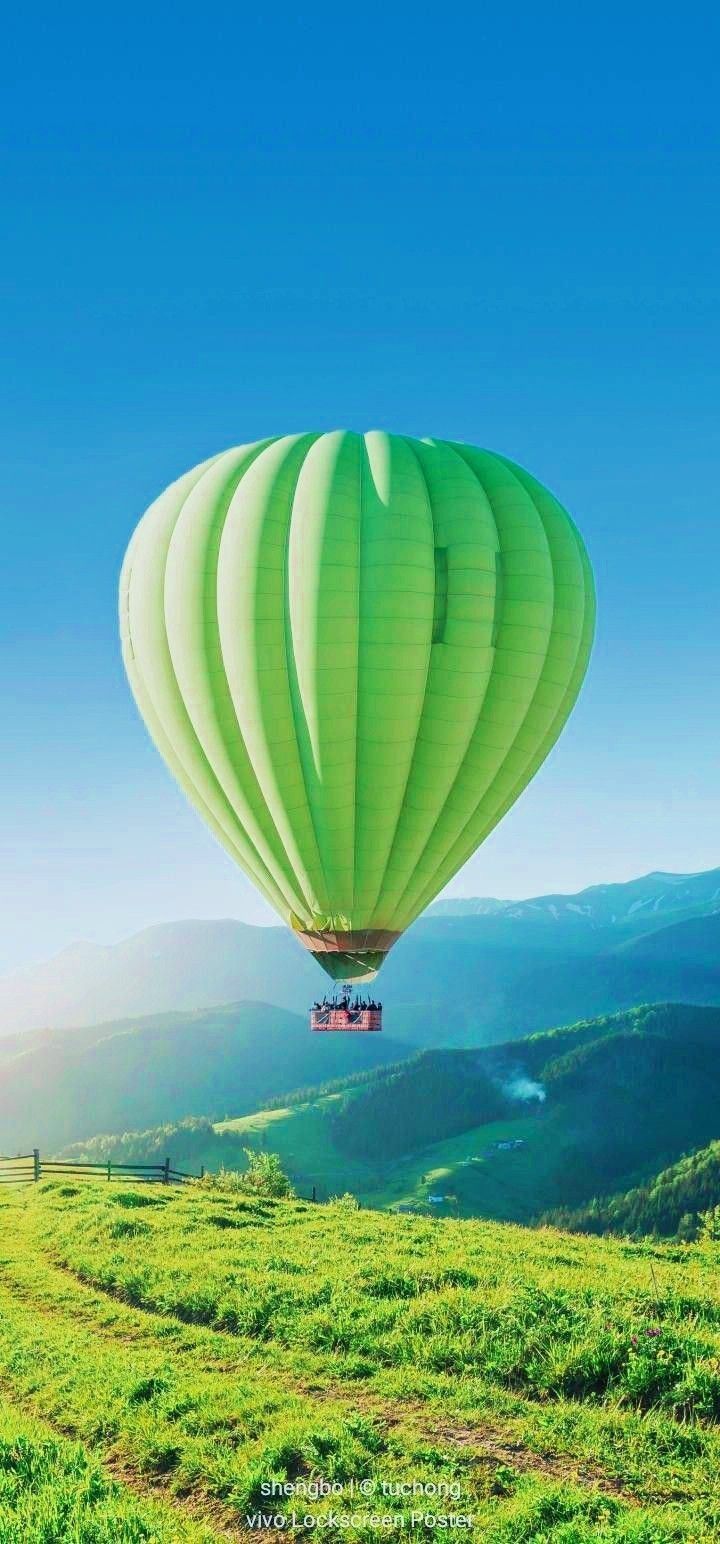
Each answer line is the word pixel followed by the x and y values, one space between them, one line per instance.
pixel 17 1171
pixel 28 1168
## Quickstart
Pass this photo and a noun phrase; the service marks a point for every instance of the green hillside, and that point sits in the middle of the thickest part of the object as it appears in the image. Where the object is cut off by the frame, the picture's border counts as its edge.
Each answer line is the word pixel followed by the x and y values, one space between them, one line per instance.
pixel 543 1385
pixel 599 1104
pixel 680 1201
pixel 505 1132
pixel 144 1072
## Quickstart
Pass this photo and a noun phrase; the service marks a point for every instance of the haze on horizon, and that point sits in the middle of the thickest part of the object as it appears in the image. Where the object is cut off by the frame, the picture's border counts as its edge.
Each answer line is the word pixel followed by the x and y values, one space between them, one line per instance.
pixel 261 915
pixel 528 264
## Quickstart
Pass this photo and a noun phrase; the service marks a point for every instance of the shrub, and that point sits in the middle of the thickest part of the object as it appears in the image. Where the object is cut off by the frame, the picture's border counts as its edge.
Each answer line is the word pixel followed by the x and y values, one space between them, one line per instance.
pixel 263 1176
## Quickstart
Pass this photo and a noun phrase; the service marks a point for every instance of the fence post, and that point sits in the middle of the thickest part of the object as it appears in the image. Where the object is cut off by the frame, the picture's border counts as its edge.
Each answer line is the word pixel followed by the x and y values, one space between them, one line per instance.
pixel 202 1171
pixel 314 1194
pixel 109 1167
pixel 36 1164
pixel 166 1172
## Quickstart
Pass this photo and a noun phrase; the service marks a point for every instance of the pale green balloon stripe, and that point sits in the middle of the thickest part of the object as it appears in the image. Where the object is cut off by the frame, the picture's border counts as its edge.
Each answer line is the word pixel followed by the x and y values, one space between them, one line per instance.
pixel 323 622
pixel 397 596
pixel 354 652
pixel 170 703
pixel 563 713
pixel 531 725
pixel 460 855
pixel 149 668
pixel 251 600
pixel 193 640
pixel 302 601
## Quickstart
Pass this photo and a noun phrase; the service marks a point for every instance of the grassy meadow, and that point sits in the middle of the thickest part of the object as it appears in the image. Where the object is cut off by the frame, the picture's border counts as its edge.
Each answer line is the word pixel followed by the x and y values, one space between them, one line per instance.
pixel 163 1354
pixel 471 1177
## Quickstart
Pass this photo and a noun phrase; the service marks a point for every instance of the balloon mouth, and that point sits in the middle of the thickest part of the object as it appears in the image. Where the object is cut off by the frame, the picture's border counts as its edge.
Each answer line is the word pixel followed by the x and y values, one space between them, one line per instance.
pixel 355 956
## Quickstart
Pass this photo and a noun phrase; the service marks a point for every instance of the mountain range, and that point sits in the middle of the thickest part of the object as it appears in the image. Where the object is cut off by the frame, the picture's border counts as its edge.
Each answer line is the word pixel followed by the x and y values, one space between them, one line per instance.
pixel 469 972
pixel 196 1018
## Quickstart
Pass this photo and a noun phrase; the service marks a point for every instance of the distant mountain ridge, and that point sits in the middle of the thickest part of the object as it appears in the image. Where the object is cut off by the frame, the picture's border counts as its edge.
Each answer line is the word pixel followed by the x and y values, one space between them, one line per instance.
pixel 173 965
pixel 653 899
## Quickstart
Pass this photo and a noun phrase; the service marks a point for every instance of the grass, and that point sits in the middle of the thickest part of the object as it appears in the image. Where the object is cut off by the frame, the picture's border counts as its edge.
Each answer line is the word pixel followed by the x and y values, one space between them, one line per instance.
pixel 301 1136
pixel 53 1490
pixel 189 1347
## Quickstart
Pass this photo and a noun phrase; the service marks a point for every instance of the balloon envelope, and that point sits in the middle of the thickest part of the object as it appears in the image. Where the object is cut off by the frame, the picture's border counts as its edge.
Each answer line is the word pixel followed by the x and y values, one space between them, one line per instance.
pixel 353 652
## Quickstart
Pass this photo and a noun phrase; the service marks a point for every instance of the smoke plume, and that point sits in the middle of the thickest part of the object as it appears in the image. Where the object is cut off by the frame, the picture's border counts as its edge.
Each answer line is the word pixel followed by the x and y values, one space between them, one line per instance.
pixel 520 1086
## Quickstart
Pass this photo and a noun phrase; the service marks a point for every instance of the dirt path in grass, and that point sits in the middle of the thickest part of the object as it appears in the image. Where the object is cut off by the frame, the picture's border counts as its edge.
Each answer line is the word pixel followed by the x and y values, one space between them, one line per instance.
pixel 145 1487
pixel 73 1304
pixel 492 1447
pixel 487 1442
pixel 190 1508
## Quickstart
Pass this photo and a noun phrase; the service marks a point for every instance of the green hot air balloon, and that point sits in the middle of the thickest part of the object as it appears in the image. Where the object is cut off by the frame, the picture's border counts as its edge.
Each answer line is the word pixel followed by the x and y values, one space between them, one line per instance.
pixel 353 652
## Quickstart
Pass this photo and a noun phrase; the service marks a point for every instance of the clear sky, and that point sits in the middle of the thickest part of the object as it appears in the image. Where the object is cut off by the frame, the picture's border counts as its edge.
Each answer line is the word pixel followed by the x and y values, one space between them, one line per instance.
pixel 499 224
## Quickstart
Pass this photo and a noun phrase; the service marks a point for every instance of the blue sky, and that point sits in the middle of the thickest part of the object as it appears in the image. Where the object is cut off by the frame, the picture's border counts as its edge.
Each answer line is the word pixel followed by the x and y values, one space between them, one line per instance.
pixel 499 225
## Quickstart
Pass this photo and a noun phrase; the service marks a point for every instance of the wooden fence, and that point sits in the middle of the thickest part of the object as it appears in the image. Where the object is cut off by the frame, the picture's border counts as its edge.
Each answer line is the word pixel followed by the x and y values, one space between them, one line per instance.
pixel 28 1168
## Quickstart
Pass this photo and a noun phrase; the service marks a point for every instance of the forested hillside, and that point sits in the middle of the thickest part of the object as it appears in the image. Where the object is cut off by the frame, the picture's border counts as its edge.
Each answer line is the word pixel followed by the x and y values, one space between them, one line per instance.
pixel 679 1202
pixel 506 1131
pixel 612 1095
pixel 145 1072
pixel 437 1095
pixel 193 1143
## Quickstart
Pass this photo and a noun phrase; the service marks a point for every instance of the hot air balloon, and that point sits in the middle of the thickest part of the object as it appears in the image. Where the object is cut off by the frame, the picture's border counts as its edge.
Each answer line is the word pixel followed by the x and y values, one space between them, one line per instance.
pixel 354 652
